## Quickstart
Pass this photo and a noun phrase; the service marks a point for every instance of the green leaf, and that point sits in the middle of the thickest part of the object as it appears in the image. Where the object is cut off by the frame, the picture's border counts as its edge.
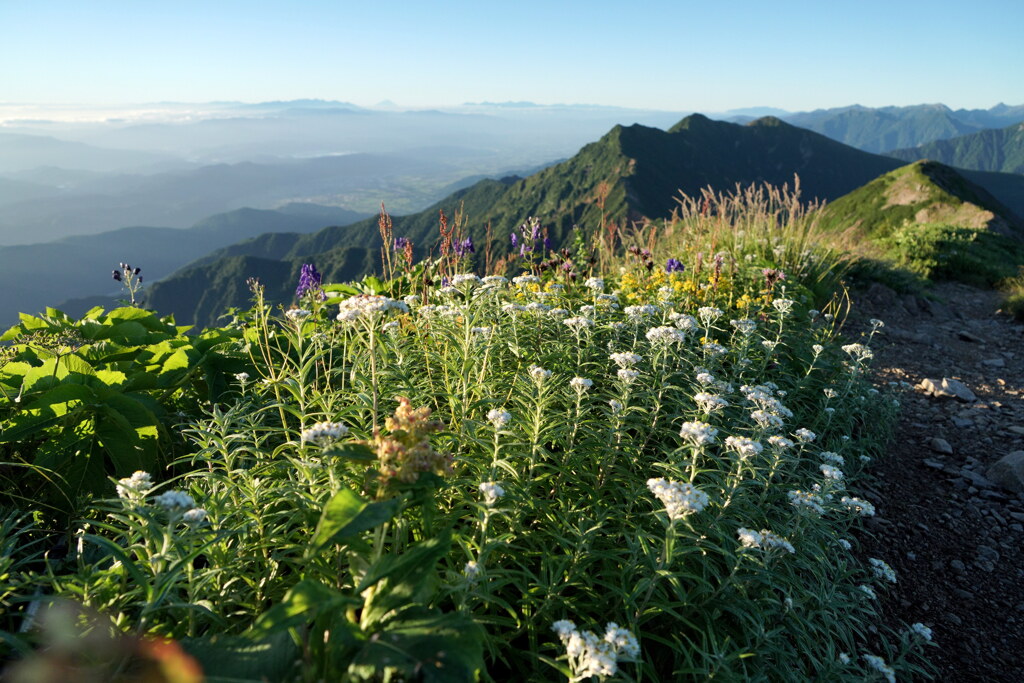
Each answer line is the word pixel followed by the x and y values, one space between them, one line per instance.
pixel 301 604
pixel 47 410
pixel 346 514
pixel 237 659
pixel 353 451
pixel 406 575
pixel 425 645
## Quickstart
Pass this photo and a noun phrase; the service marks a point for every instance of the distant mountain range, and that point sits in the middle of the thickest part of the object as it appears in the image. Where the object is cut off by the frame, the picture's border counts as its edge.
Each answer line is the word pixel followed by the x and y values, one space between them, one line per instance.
pixel 884 129
pixel 38 275
pixel 1000 149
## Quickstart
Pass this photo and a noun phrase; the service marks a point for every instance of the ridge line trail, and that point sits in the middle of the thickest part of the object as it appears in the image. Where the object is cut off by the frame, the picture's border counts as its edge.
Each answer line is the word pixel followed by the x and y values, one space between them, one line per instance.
pixel 955 539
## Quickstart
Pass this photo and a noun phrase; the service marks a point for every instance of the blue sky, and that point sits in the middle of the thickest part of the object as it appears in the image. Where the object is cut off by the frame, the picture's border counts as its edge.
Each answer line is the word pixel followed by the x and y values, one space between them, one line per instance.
pixel 682 55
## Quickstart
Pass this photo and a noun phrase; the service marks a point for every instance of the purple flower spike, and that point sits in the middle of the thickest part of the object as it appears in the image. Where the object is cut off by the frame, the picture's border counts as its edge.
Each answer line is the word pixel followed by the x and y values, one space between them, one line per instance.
pixel 515 242
pixel 674 266
pixel 309 282
pixel 401 243
pixel 117 275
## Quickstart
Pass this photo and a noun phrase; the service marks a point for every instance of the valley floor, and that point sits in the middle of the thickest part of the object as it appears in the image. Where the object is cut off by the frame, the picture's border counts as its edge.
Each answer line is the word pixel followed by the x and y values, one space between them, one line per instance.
pixel 958 538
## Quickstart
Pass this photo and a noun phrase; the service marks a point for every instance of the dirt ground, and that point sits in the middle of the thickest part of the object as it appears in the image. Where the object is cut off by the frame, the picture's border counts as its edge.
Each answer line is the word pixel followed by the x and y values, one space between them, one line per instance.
pixel 955 539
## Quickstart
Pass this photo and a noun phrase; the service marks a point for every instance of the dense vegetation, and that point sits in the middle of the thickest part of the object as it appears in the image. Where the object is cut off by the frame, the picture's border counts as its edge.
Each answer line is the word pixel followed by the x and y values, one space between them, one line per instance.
pixel 637 459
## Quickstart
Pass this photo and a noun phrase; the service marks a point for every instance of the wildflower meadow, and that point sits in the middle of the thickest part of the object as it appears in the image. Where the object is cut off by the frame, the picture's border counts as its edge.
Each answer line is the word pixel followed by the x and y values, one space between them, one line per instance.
pixel 634 459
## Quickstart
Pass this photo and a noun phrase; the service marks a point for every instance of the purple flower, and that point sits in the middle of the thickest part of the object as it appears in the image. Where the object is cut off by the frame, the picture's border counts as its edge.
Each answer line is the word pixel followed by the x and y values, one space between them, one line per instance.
pixel 535 232
pixel 547 243
pixel 117 275
pixel 515 242
pixel 401 243
pixel 464 247
pixel 309 282
pixel 674 266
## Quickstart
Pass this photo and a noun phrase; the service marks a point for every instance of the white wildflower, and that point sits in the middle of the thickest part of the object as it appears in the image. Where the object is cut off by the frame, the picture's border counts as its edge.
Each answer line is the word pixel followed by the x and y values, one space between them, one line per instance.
pixel 665 335
pixel 844 658
pixel 709 403
pixel 640 312
pixel 744 326
pixel 499 418
pixel 713 349
pixel 679 499
pixel 242 377
pixel 296 314
pixel 194 517
pixel 832 458
pixel 746 447
pixel 491 491
pixel 526 279
pixel 627 375
pixel 879 665
pixel 471 571
pixel 368 306
pixel 578 323
pixel 175 501
pixel 783 306
pixel 767 420
pixel 683 321
pixel 708 314
pixel 831 472
pixel 135 486
pixel 595 283
pixel 465 279
pixel 323 432
pixel 698 433
pixel 539 374
pixel 581 384
pixel 844 544
pixel 922 630
pixel 817 348
pixel 868 591
pixel 616 406
pixel 495 281
pixel 624 359
pixel 807 499
pixel 858 352
pixel 780 442
pixel 882 570
pixel 862 507
pixel 749 538
pixel 805 435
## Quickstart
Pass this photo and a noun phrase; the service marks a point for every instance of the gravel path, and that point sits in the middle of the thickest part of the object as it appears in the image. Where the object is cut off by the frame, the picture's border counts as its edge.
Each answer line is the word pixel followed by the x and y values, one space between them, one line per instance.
pixel 955 538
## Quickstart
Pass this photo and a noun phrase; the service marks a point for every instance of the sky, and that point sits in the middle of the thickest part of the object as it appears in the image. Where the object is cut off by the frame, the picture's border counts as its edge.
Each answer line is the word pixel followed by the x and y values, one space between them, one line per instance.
pixel 671 55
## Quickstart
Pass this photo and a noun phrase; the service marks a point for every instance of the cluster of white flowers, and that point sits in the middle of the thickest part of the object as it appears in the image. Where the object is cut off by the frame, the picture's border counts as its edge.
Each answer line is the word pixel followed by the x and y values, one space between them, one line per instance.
pixel 134 487
pixel 807 499
pixel 817 348
pixel 175 501
pixel 526 279
pixel 831 472
pixel 709 403
pixel 805 435
pixel 628 375
pixel 767 420
pixel 295 314
pixel 390 326
pixel 595 283
pixel 709 314
pixel 860 506
pixel 616 406
pixel 610 300
pixel 368 305
pixel 558 313
pixel 780 442
pixel 764 539
pixel 491 491
pixel 744 326
pixel 745 446
pixel 832 458
pixel 495 281
pixel 471 571
pixel 484 332
pixel 578 323
pixel 844 544
pixel 713 349
pixel 624 359
pixel 683 321
pixel 922 630
pixel 581 384
pixel 465 279
pixel 868 591
pixel 665 335
pixel 680 499
pixel 641 312
pixel 194 517
pixel 592 656
pixel 882 570
pixel 698 433
pixel 323 432
pixel 830 393
pixel 242 377
pixel 512 308
pixel 879 665
pixel 858 352
pixel 499 418
pixel 783 306
pixel 538 374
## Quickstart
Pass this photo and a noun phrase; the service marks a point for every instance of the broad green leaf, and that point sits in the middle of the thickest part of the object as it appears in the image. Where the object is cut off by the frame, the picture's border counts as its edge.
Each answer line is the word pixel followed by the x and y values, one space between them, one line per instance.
pixel 238 659
pixel 45 411
pixel 300 605
pixel 413 563
pixel 346 514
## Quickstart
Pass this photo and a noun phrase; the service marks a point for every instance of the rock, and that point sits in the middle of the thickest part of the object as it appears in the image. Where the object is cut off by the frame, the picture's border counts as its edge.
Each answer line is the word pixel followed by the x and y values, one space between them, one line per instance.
pixel 947 388
pixel 1016 430
pixel 961 422
pixel 934 464
pixel 994 363
pixel 958 566
pixel 1008 472
pixel 940 446
pixel 975 478
pixel 969 337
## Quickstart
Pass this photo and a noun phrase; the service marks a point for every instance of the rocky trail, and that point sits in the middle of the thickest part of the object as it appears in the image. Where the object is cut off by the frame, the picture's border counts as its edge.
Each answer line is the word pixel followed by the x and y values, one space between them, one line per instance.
pixel 950 496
